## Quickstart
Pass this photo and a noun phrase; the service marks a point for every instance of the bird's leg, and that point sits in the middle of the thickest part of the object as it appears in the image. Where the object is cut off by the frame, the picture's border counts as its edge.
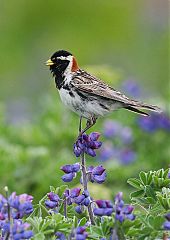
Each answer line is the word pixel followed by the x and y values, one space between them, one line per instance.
pixel 90 122
pixel 80 124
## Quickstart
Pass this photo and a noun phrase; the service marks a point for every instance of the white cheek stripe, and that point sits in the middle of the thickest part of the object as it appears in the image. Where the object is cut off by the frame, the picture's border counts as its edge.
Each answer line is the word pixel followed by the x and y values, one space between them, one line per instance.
pixel 69 67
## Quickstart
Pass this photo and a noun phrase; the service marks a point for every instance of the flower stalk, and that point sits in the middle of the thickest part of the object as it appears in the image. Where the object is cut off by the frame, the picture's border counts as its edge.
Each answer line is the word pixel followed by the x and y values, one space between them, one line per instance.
pixel 85 186
pixel 84 178
pixel 65 207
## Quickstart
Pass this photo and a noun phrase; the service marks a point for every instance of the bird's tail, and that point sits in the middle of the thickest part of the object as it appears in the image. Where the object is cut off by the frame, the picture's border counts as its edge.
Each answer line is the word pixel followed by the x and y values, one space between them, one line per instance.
pixel 136 106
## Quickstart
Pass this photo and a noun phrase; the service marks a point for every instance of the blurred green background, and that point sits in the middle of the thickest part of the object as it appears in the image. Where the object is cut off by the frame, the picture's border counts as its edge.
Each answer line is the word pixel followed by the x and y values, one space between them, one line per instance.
pixel 116 40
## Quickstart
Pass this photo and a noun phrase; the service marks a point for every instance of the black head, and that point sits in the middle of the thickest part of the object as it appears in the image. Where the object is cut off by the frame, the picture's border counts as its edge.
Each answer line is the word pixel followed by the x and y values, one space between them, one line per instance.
pixel 60 63
pixel 58 58
pixel 60 53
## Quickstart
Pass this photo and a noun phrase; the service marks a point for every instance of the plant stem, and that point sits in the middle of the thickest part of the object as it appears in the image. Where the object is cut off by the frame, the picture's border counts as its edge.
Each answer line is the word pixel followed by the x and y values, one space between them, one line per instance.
pixel 9 214
pixel 84 178
pixel 65 208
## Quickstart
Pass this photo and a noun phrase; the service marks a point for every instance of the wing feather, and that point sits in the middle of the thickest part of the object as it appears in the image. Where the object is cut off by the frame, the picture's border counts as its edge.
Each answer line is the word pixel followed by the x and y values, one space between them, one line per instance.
pixel 85 82
pixel 90 84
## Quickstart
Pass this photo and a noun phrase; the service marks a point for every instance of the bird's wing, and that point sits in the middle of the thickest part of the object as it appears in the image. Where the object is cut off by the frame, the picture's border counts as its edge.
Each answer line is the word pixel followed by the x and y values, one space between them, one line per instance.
pixel 85 82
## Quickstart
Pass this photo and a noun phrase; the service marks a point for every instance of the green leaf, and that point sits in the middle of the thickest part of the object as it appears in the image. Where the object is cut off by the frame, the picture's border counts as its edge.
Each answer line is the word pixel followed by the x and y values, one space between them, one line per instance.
pixel 62 189
pixel 82 222
pixel 134 182
pixel 143 177
pixel 155 179
pixel 52 189
pixel 149 177
pixel 75 221
pixel 97 230
pixel 160 182
pixel 142 201
pixel 150 192
pixel 165 175
pixel 39 236
pixel 147 230
pixel 138 193
pixel 156 222
pixel 160 173
pixel 150 200
pixel 166 183
pixel 133 232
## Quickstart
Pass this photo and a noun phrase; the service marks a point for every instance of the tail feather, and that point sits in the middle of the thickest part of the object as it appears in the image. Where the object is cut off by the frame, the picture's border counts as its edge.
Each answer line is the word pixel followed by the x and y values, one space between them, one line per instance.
pixel 133 109
pixel 137 106
pixel 151 108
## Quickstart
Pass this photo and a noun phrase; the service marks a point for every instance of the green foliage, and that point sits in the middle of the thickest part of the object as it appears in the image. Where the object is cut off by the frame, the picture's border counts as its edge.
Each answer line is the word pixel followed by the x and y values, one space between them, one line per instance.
pixel 151 198
pixel 151 202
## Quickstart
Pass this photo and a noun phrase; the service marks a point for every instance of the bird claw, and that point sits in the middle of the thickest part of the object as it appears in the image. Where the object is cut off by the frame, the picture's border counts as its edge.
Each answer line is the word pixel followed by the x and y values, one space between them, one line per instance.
pixel 90 122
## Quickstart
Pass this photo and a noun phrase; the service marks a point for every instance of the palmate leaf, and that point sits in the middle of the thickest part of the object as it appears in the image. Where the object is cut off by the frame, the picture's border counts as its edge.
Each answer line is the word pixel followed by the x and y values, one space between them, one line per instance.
pixel 39 236
pixel 156 222
pixel 150 192
pixel 82 221
pixel 143 177
pixel 136 183
pixel 136 194
pixel 106 225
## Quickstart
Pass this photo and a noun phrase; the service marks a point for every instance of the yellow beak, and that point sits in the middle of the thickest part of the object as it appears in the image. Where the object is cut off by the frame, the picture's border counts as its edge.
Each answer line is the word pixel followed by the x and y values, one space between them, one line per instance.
pixel 49 63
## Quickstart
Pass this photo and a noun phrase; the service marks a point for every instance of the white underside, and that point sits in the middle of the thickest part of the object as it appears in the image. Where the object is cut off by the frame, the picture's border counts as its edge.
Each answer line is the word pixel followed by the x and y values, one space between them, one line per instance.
pixel 86 109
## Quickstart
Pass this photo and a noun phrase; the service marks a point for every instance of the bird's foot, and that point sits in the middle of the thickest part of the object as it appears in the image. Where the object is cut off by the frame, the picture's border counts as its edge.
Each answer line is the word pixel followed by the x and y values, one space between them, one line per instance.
pixel 90 122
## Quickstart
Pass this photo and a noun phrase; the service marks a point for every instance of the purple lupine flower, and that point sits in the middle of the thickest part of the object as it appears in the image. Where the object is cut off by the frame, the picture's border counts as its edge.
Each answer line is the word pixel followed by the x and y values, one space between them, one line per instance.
pixel 154 122
pixel 21 205
pixel 53 197
pixel 83 199
pixel 80 233
pixel 75 192
pixel 66 195
pixel 79 209
pixel 71 195
pixel 51 204
pixel 79 199
pixel 68 177
pixel 148 123
pixel 71 168
pixel 115 129
pixel 131 88
pixel 169 174
pixel 126 135
pixel 126 156
pixel 74 196
pixel 105 208
pixel 3 207
pixel 106 152
pixel 96 174
pixel 163 121
pixel 94 136
pixel 166 224
pixel 70 171
pixel 87 144
pixel 123 211
pixel 111 128
pixel 60 236
pixel 19 230
pixel 53 200
pixel 167 216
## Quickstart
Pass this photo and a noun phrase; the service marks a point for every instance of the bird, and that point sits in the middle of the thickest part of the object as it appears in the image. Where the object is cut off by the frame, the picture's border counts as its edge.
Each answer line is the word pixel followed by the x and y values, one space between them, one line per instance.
pixel 87 95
